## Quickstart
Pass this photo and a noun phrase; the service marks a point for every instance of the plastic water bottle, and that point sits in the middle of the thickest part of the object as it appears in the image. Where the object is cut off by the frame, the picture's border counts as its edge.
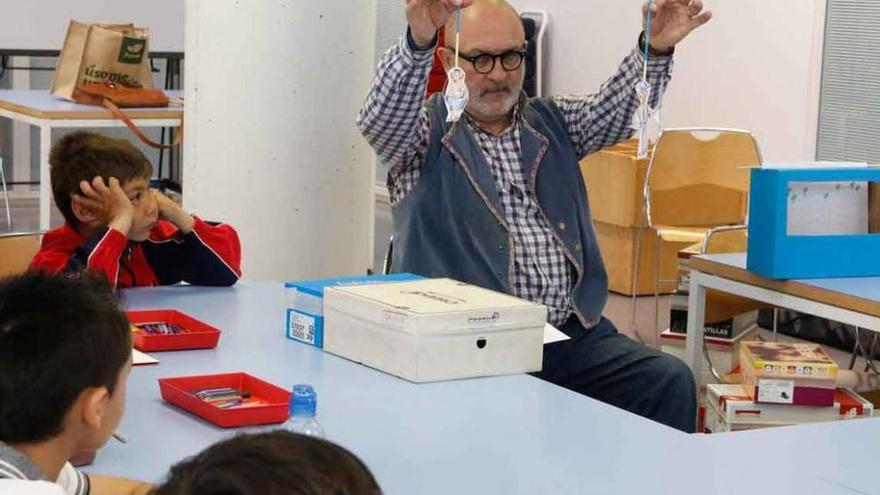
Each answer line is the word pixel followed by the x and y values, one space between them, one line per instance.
pixel 303 408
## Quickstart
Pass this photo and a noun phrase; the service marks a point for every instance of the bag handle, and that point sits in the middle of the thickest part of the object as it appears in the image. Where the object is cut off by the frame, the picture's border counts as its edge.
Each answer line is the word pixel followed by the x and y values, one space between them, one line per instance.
pixel 119 114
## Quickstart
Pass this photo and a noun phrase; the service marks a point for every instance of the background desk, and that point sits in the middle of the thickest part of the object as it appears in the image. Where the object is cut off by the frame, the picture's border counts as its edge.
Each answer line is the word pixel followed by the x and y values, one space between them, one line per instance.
pixel 47 112
pixel 855 301
pixel 504 435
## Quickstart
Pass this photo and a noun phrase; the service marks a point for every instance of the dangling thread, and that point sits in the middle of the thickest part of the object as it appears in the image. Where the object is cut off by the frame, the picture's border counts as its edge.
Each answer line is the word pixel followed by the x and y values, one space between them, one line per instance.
pixel 456 94
pixel 644 113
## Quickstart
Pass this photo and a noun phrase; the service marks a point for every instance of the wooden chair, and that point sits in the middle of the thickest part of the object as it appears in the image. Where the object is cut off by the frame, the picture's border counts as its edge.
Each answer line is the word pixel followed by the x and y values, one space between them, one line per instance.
pixel 5 196
pixel 697 180
pixel 17 250
pixel 721 306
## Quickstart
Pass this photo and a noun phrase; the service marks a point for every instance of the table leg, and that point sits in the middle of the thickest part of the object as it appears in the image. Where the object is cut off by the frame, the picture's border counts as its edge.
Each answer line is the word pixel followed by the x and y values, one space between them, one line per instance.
pixel 695 324
pixel 45 181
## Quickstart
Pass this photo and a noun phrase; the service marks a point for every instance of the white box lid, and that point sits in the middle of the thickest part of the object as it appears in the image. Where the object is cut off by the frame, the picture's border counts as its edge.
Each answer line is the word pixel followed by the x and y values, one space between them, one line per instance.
pixel 435 306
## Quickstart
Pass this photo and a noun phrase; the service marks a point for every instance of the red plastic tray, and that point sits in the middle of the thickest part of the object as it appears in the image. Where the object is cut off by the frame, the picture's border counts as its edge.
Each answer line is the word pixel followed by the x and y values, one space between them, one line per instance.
pixel 179 391
pixel 196 334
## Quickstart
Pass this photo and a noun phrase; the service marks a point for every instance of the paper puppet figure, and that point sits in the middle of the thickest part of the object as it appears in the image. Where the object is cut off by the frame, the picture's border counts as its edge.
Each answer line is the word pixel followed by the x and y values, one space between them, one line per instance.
pixel 642 117
pixel 456 94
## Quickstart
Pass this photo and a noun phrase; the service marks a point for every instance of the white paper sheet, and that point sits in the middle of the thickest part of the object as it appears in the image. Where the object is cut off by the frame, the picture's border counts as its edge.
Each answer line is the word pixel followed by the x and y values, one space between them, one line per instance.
pixel 552 334
pixel 826 208
pixel 138 358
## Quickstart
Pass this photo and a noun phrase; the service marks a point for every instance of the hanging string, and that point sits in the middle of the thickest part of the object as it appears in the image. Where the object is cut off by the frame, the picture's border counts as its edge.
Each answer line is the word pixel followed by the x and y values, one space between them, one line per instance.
pixel 644 112
pixel 647 41
pixel 457 30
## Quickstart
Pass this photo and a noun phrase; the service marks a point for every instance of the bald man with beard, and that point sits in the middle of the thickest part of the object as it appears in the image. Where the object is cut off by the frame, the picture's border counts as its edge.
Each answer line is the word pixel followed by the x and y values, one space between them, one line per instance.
pixel 496 199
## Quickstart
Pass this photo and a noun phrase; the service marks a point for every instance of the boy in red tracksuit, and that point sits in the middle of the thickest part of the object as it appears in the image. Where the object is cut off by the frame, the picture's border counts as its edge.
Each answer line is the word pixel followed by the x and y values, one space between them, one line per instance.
pixel 116 226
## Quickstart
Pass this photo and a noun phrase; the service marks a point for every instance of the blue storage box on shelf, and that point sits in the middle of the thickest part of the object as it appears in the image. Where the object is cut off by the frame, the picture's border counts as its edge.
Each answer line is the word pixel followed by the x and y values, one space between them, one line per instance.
pixel 776 251
pixel 304 312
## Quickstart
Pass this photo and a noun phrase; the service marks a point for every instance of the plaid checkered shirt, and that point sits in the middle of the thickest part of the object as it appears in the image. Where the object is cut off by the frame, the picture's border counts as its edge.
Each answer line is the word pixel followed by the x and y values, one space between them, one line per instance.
pixel 394 120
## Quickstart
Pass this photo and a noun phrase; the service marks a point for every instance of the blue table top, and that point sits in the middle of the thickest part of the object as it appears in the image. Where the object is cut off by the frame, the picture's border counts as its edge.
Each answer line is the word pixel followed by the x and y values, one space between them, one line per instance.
pixel 861 287
pixel 506 435
pixel 838 457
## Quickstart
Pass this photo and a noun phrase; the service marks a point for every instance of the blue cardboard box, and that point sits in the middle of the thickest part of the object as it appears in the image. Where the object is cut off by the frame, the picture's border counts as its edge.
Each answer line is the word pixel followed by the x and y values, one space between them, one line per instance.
pixel 304 314
pixel 777 253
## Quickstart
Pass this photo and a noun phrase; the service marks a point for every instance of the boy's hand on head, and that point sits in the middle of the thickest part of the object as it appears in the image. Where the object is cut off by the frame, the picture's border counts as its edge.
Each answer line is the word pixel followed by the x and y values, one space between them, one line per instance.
pixel 107 202
pixel 171 211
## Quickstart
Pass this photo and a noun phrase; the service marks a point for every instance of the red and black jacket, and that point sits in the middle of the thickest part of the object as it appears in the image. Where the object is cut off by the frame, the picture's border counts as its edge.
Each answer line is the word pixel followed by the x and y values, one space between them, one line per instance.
pixel 209 255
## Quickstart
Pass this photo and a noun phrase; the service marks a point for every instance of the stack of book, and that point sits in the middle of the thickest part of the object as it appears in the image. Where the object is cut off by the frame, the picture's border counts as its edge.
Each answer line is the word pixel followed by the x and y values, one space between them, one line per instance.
pixel 782 384
pixel 800 374
pixel 729 408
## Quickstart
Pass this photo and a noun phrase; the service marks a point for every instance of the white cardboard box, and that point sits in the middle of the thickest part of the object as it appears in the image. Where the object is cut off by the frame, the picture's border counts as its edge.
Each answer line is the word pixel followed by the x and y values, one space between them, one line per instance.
pixel 734 406
pixel 437 329
pixel 716 423
pixel 729 408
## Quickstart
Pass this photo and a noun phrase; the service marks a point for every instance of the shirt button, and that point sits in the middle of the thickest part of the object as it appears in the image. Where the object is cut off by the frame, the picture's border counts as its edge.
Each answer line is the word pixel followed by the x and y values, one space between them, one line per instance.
pixel 501 247
pixel 561 225
pixel 577 247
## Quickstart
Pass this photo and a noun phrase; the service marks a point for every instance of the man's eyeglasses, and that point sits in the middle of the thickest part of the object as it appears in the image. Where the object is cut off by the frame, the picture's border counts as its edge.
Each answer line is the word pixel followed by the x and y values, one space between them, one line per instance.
pixel 484 63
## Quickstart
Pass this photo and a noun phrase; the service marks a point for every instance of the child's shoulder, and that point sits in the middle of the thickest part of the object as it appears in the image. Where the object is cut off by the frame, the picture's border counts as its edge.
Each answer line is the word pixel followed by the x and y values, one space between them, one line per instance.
pixel 55 248
pixel 29 487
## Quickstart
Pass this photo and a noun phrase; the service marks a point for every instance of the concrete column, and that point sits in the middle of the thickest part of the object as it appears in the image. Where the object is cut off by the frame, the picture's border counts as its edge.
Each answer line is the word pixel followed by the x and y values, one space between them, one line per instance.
pixel 272 91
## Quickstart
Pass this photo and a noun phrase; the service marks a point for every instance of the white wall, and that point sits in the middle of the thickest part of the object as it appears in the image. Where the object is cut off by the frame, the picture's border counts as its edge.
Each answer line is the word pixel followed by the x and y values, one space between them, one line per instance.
pixel 390 24
pixel 272 92
pixel 755 66
pixel 41 24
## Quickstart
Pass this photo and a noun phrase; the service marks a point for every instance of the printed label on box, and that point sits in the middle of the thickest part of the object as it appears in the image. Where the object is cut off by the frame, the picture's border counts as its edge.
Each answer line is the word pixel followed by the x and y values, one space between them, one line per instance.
pixel 776 391
pixel 301 327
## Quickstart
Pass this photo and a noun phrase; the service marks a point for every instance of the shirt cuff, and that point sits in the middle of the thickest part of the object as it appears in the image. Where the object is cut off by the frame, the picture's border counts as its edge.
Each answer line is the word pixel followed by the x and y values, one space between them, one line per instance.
pixel 415 55
pixel 661 65
pixel 656 63
pixel 651 52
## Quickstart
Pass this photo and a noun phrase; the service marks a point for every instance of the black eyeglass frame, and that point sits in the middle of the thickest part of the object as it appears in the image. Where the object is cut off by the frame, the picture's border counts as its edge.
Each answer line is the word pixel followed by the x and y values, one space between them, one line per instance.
pixel 522 52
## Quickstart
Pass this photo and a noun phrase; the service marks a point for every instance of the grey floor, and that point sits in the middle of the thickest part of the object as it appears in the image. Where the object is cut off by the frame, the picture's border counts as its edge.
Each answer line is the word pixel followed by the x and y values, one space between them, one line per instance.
pixel 24 206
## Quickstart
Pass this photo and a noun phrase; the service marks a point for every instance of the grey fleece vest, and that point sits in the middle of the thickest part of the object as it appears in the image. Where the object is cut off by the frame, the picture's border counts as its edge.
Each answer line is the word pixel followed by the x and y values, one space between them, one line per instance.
pixel 452 223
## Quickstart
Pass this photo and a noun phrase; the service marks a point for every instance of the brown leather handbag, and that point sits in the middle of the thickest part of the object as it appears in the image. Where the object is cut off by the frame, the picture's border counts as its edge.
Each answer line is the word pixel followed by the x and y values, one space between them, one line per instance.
pixel 113 97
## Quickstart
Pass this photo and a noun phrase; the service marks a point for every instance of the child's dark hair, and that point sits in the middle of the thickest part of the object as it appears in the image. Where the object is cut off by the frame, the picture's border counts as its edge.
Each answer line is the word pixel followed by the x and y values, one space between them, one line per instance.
pixel 274 463
pixel 84 155
pixel 59 335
